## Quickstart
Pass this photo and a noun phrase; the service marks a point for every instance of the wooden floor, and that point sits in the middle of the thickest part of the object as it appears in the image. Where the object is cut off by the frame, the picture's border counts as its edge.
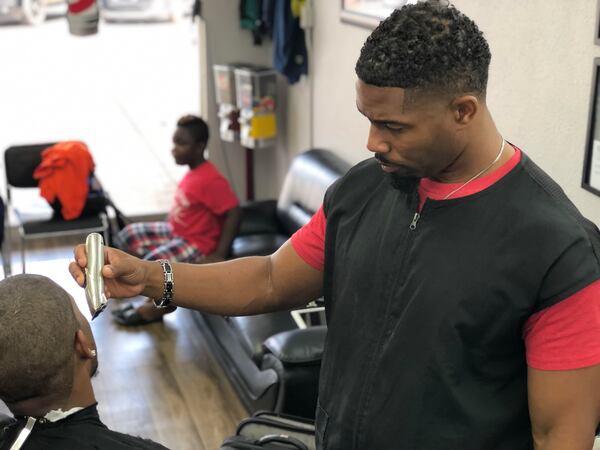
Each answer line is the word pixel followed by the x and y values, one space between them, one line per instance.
pixel 159 381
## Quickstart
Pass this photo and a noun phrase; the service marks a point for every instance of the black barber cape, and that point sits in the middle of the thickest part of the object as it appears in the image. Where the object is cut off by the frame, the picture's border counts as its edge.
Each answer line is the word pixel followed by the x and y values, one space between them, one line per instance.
pixel 82 430
pixel 425 314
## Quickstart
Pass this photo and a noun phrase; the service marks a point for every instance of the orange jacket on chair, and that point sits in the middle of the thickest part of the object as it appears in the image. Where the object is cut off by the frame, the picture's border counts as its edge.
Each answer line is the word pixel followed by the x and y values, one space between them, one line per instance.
pixel 64 173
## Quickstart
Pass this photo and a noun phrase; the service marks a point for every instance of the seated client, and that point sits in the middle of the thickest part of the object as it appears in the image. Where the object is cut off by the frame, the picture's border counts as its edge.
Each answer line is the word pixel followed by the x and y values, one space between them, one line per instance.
pixel 47 358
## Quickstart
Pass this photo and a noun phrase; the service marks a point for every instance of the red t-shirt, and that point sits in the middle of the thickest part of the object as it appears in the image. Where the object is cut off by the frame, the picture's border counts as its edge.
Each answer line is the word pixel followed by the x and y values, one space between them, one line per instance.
pixel 201 199
pixel 564 336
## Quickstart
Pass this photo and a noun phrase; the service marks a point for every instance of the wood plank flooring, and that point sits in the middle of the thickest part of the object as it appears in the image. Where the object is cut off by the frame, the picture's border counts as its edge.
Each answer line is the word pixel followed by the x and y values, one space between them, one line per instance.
pixel 159 381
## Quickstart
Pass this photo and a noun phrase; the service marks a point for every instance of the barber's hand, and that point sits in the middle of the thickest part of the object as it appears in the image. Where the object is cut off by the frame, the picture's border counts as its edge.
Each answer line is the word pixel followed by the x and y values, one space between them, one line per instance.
pixel 124 275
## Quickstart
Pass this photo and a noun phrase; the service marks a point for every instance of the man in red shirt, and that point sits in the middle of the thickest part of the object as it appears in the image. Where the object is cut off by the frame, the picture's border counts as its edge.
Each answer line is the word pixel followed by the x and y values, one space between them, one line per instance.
pixel 202 222
pixel 462 287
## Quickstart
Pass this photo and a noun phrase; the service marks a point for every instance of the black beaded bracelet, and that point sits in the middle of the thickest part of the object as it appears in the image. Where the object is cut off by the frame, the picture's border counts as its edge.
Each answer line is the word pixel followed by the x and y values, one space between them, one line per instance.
pixel 167 296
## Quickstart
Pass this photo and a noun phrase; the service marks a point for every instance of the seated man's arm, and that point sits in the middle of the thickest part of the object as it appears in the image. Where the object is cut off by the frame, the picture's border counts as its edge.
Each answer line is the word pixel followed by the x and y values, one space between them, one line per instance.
pixel 564 406
pixel 230 229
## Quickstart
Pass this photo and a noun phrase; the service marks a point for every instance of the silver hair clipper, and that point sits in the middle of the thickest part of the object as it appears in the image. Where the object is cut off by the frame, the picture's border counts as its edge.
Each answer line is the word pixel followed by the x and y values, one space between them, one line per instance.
pixel 94 283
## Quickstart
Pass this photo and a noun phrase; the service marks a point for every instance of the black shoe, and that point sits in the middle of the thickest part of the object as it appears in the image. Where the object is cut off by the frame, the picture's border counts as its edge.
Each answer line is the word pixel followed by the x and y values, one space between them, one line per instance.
pixel 121 309
pixel 130 317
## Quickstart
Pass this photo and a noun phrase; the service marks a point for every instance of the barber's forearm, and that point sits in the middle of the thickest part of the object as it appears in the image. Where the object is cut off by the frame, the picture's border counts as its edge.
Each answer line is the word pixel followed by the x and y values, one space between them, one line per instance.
pixel 238 287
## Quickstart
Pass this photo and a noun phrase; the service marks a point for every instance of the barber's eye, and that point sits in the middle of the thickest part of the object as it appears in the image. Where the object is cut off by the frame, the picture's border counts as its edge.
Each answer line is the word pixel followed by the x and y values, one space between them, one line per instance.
pixel 393 127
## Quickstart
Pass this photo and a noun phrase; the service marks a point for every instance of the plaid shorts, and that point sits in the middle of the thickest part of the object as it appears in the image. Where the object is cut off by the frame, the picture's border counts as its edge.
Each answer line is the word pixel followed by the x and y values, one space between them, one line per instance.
pixel 155 240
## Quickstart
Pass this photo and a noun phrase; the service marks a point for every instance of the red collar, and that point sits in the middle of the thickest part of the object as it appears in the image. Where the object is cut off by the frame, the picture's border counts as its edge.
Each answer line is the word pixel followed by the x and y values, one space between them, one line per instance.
pixel 437 191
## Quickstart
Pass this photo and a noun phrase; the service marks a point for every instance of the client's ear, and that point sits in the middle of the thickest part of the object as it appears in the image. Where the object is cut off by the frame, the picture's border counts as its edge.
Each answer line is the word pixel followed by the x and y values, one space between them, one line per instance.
pixel 83 346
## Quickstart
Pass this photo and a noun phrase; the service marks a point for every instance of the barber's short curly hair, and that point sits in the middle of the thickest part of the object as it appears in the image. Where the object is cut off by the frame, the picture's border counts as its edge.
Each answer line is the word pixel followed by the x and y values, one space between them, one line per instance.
pixel 428 46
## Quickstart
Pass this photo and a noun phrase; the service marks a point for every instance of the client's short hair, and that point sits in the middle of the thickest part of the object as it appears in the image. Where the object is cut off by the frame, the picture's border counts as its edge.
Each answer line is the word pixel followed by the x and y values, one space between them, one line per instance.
pixel 37 335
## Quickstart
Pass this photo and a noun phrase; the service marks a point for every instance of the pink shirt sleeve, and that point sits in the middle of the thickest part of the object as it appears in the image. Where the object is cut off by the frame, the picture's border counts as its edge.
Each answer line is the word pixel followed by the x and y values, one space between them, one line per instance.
pixel 566 336
pixel 309 241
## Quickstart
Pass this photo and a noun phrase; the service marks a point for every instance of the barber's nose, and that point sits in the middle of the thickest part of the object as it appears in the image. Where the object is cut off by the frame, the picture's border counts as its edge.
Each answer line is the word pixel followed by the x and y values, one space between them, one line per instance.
pixel 376 143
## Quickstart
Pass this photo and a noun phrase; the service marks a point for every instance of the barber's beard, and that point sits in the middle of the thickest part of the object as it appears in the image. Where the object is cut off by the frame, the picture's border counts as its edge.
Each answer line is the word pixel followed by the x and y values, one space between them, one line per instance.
pixel 402 183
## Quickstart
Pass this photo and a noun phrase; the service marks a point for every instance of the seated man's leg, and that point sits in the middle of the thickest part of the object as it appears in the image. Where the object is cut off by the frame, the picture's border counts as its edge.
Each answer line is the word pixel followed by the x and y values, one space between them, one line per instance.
pixel 177 249
pixel 142 238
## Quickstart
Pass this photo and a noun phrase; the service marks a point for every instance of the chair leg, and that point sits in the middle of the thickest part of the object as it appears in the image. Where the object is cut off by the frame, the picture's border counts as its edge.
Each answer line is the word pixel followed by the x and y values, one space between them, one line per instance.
pixel 7 253
pixel 106 231
pixel 6 263
pixel 23 241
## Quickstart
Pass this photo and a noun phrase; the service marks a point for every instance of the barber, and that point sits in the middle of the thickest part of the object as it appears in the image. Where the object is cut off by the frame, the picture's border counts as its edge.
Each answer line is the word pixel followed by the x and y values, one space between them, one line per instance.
pixel 462 287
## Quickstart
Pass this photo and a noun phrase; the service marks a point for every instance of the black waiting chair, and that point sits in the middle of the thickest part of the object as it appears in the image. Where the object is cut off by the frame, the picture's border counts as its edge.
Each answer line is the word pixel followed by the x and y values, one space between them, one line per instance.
pixel 20 161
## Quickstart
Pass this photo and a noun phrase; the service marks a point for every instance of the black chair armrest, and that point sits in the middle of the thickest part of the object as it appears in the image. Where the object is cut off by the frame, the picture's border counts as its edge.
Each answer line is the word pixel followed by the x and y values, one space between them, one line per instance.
pixel 259 217
pixel 6 423
pixel 6 420
pixel 300 346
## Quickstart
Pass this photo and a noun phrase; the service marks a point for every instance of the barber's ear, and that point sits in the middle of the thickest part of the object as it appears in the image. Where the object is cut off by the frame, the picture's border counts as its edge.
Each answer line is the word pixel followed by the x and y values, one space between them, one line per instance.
pixel 465 108
pixel 83 346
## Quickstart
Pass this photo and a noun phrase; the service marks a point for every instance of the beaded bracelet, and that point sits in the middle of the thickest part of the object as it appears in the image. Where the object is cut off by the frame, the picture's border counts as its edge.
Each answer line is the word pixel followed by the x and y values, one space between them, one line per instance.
pixel 167 296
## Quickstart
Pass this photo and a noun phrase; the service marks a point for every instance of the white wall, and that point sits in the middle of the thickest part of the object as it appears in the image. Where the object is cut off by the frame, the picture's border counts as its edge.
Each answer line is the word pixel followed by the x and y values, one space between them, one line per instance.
pixel 539 87
pixel 337 124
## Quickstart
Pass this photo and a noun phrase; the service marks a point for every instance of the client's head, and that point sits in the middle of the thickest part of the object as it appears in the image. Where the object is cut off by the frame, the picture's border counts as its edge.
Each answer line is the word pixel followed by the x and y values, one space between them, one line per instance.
pixel 47 350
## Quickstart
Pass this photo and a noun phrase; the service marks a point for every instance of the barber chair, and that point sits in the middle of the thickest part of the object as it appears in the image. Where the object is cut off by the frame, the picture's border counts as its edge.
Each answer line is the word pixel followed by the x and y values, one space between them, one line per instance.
pixel 6 423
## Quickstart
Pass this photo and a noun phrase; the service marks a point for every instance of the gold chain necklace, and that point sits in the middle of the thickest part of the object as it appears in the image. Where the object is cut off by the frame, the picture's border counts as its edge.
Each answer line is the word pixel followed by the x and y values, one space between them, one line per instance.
pixel 478 174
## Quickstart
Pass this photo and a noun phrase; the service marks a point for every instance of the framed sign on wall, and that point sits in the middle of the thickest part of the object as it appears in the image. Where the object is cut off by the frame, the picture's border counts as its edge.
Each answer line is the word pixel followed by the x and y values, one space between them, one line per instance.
pixel 591 161
pixel 368 13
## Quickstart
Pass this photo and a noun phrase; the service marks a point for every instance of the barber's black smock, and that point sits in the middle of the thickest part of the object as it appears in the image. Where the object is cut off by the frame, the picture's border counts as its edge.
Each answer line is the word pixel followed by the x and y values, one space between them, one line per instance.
pixel 82 430
pixel 424 349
